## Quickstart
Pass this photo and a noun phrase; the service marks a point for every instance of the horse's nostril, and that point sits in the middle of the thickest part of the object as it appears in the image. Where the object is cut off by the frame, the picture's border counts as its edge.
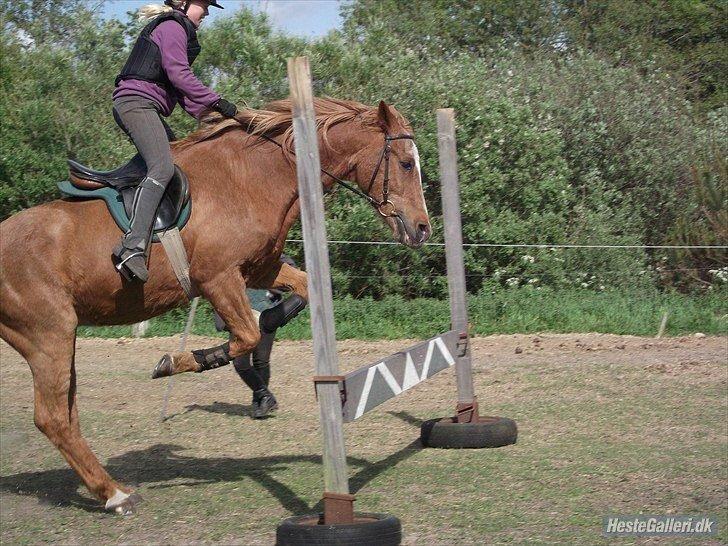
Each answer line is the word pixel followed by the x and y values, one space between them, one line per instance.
pixel 423 232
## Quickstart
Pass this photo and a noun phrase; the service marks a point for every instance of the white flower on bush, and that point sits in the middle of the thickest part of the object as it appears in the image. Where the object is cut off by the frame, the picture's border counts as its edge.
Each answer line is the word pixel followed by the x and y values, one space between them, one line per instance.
pixel 720 275
pixel 512 281
pixel 534 280
pixel 528 259
pixel 585 285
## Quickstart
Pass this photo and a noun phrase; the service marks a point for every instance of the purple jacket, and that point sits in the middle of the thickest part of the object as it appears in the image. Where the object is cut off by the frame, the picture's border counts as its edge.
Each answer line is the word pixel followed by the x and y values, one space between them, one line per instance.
pixel 191 94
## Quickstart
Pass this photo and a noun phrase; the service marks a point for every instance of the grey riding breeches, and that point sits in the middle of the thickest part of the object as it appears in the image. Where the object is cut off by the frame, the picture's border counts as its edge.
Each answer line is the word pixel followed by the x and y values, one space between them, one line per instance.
pixel 139 118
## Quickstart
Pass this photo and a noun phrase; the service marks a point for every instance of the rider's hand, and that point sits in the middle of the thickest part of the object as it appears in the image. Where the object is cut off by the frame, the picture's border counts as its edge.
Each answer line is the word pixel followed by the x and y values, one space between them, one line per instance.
pixel 226 108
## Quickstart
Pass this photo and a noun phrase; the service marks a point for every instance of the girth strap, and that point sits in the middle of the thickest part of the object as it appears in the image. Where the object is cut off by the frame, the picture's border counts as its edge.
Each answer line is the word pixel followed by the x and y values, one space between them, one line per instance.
pixel 174 247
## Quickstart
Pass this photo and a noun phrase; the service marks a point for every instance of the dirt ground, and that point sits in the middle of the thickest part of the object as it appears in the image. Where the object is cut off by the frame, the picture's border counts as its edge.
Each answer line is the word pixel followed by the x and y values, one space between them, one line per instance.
pixel 607 425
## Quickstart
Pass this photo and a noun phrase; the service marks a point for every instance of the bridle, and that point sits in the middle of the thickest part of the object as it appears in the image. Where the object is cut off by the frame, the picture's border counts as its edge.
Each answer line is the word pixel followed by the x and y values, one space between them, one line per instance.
pixel 384 207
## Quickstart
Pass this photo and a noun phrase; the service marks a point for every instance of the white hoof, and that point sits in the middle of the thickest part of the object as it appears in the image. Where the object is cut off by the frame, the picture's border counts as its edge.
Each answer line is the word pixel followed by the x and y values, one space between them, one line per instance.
pixel 123 503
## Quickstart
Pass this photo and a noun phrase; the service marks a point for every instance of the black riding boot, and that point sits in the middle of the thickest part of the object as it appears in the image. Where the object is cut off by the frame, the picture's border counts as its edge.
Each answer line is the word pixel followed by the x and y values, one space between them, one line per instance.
pixel 129 255
pixel 263 400
pixel 263 403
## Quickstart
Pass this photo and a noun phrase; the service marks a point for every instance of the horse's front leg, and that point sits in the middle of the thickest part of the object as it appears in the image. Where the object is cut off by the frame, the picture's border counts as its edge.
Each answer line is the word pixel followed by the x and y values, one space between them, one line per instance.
pixel 226 293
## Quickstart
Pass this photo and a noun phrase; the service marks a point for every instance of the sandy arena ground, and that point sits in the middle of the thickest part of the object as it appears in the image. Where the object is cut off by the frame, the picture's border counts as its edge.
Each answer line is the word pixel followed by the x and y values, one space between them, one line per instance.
pixel 607 424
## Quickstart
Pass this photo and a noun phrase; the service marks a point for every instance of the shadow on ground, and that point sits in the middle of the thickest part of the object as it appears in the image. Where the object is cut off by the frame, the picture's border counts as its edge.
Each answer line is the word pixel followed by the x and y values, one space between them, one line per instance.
pixel 165 463
pixel 218 407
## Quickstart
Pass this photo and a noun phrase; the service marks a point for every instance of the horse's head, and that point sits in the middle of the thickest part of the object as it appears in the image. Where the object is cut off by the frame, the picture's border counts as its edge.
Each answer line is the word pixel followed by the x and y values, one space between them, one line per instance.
pixel 387 169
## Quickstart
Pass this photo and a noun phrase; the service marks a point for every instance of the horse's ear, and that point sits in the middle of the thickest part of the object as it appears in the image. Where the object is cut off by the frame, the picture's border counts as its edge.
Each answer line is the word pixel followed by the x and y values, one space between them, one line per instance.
pixel 385 116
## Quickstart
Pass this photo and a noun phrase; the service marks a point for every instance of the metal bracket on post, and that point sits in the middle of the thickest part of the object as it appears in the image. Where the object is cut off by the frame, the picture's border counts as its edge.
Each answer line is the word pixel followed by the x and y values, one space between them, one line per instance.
pixel 338 508
pixel 467 412
pixel 331 379
pixel 463 344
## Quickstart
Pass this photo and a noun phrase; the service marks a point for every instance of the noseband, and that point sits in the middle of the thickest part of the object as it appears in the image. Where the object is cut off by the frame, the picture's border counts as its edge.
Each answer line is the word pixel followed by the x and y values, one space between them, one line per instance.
pixel 384 207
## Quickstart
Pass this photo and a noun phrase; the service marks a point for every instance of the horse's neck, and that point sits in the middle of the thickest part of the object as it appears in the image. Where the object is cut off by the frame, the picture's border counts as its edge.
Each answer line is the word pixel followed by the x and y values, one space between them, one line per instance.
pixel 249 175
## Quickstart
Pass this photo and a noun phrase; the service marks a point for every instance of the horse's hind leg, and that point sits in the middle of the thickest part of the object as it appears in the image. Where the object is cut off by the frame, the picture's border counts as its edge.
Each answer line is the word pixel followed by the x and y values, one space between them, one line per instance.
pixel 51 359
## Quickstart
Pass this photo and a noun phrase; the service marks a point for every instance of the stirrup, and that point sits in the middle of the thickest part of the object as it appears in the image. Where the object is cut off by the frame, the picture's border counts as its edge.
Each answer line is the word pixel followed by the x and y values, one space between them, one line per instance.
pixel 139 273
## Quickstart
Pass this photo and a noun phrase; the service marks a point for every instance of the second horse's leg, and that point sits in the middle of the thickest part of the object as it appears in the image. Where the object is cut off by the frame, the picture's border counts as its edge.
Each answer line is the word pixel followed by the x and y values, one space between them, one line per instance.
pixel 226 293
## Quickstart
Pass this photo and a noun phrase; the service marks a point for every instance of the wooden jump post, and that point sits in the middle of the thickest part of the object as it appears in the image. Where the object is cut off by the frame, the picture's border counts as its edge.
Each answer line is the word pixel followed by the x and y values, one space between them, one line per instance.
pixel 338 503
pixel 467 407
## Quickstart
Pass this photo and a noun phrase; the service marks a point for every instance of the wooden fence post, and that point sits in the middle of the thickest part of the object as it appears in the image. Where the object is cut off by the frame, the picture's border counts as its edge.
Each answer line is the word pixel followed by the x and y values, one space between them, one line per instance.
pixel 139 329
pixel 338 503
pixel 454 249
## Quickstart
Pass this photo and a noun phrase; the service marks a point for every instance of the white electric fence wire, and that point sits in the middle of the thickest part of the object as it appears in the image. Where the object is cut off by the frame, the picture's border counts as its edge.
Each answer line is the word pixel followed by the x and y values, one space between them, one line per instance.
pixel 502 245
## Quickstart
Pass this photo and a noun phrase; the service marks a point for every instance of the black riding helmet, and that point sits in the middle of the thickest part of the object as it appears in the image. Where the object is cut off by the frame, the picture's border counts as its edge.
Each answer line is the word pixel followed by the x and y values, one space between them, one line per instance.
pixel 209 3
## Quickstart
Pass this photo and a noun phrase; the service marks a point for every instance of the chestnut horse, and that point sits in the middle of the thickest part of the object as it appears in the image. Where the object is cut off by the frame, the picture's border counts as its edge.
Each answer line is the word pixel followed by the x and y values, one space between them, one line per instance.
pixel 56 271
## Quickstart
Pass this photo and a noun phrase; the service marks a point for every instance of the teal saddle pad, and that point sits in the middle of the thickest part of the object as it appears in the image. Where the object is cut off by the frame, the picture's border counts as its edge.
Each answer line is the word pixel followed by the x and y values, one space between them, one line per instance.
pixel 115 203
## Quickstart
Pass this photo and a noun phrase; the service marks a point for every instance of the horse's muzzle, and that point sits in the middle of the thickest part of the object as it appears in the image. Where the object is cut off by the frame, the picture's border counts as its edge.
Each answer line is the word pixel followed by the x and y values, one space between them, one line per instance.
pixel 410 235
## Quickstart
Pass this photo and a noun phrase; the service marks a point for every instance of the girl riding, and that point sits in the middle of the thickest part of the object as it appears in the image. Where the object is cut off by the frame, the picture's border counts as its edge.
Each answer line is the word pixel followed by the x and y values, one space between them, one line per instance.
pixel 157 76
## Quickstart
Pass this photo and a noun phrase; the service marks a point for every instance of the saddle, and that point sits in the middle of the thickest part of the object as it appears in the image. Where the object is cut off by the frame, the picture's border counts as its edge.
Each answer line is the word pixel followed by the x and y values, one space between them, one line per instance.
pixel 117 189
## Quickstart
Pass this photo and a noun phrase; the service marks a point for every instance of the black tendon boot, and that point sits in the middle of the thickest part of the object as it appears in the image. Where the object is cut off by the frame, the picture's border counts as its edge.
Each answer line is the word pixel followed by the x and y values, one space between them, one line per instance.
pixel 129 255
pixel 263 403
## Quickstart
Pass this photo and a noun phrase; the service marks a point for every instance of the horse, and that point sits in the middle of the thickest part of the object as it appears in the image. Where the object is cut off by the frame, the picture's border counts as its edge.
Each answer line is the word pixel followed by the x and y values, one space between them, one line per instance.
pixel 55 258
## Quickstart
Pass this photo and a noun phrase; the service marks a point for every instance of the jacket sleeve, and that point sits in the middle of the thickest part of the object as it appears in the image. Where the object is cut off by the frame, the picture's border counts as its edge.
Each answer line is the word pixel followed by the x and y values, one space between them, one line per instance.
pixel 192 108
pixel 172 41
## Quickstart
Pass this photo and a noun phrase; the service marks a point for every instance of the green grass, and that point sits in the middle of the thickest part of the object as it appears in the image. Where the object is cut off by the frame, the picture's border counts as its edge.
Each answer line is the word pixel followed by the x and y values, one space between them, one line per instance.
pixel 502 312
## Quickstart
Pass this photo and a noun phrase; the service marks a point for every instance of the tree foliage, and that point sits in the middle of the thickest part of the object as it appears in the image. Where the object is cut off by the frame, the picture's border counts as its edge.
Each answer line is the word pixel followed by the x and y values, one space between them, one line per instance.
pixel 578 122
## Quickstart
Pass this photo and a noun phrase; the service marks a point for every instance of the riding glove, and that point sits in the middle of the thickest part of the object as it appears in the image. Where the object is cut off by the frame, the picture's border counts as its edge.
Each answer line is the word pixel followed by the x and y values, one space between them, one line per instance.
pixel 226 108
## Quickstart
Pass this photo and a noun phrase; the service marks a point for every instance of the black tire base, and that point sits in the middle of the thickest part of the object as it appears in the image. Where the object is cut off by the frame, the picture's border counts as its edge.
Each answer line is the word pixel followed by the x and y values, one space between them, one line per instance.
pixel 368 529
pixel 486 432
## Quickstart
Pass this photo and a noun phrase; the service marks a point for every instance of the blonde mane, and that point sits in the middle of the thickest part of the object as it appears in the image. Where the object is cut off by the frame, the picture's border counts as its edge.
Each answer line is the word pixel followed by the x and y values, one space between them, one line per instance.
pixel 276 119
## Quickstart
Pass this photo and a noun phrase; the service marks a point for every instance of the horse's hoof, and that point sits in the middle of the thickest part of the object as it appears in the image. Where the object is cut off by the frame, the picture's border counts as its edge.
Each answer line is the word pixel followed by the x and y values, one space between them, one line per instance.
pixel 123 504
pixel 129 506
pixel 163 368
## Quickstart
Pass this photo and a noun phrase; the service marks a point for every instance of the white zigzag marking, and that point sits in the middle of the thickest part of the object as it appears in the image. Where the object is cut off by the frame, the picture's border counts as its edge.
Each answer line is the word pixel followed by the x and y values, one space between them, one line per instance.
pixel 410 374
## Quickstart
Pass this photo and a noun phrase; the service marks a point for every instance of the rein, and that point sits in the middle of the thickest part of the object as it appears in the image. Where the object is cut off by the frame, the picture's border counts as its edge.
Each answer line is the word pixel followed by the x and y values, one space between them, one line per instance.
pixel 384 207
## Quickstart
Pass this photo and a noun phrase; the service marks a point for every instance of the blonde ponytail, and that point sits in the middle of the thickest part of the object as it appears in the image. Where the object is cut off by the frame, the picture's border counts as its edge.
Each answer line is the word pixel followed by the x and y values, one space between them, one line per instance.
pixel 150 11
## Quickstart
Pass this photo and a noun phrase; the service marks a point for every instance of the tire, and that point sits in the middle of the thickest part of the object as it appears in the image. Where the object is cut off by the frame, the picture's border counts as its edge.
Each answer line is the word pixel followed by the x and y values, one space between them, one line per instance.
pixel 487 432
pixel 368 529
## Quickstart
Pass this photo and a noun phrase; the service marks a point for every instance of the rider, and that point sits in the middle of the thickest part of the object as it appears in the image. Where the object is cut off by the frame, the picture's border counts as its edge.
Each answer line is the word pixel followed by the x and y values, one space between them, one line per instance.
pixel 154 79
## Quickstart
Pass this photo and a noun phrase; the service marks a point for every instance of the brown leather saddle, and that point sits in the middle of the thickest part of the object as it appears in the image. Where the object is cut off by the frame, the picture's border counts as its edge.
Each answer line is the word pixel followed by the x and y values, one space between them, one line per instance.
pixel 117 188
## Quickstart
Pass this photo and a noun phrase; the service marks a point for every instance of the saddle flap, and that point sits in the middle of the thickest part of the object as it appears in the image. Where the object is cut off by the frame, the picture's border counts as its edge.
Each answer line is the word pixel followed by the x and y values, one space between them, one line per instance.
pixel 174 198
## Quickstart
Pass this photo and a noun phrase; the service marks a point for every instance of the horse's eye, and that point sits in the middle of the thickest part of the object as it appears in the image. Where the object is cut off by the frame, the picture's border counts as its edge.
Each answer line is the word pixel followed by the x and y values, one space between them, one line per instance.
pixel 406 165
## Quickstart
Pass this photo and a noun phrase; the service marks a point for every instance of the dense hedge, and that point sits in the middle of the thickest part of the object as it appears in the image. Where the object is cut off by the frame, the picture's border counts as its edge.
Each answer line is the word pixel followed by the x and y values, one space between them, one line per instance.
pixel 562 138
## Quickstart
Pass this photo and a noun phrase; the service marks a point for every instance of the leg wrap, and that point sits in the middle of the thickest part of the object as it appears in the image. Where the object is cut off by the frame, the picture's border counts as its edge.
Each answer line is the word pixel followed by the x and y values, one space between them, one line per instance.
pixel 213 358
pixel 280 315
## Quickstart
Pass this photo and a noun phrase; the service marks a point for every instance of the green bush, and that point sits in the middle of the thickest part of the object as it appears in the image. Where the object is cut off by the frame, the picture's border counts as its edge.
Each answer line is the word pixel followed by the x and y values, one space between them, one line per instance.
pixel 557 142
